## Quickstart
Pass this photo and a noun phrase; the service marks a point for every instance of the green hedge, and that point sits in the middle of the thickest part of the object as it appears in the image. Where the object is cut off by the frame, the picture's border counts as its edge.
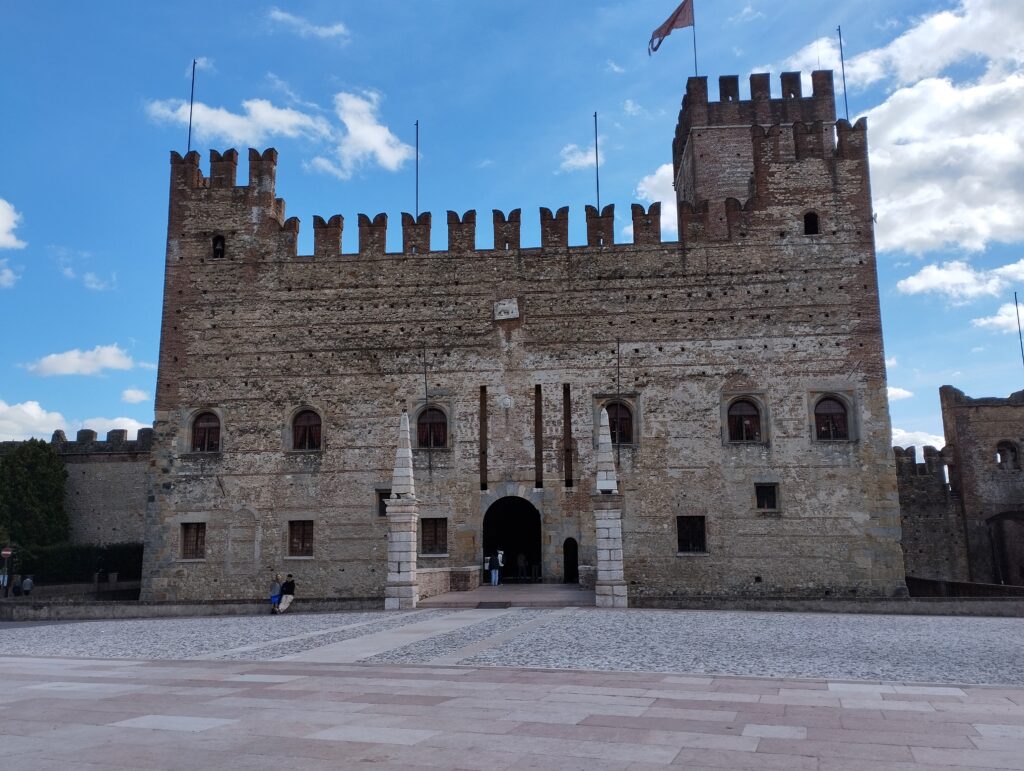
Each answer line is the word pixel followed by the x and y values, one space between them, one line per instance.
pixel 69 563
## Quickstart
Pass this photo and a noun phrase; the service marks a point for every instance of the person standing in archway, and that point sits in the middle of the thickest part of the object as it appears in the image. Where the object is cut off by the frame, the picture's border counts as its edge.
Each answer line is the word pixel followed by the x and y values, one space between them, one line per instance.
pixel 494 563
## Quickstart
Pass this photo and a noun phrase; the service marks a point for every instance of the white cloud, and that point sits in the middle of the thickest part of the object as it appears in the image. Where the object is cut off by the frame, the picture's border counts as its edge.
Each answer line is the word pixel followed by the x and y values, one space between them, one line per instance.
pixel 97 284
pixel 134 395
pixel 28 420
pixel 747 14
pixel 895 394
pixel 78 362
pixel 919 439
pixel 616 68
pixel 632 108
pixel 1004 320
pixel 203 63
pixel 947 164
pixel 891 362
pixel 259 121
pixel 960 282
pixel 146 365
pixel 365 139
pixel 9 219
pixel 305 28
pixel 8 277
pixel 575 157
pixel 484 163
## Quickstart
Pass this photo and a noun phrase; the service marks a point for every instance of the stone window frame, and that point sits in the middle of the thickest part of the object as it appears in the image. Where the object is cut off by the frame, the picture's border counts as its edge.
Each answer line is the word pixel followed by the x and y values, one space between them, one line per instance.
pixel 414 425
pixel 759 400
pixel 381 493
pixel 283 519
pixel 848 400
pixel 703 553
pixel 632 400
pixel 191 521
pixel 421 533
pixel 288 435
pixel 187 425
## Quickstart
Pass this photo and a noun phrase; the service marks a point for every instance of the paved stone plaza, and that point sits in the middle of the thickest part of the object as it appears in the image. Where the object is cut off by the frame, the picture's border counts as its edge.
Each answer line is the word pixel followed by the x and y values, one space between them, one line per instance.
pixel 516 688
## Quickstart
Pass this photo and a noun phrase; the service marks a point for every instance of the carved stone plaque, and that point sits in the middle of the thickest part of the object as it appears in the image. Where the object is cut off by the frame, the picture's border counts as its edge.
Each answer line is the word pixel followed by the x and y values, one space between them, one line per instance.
pixel 504 310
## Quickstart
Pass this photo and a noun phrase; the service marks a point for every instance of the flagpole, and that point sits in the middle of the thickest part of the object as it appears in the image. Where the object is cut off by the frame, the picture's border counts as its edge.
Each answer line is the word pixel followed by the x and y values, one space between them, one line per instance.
pixel 842 62
pixel 597 167
pixel 1019 335
pixel 191 101
pixel 418 174
pixel 693 8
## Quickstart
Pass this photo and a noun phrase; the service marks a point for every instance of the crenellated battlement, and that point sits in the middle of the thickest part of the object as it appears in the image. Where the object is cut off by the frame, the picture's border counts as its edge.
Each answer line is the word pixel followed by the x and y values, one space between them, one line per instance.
pixel 117 442
pixel 935 463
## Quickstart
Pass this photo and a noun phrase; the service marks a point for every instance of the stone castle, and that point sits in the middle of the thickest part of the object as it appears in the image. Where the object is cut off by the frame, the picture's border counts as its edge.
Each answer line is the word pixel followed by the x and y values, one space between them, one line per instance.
pixel 664 420
pixel 740 368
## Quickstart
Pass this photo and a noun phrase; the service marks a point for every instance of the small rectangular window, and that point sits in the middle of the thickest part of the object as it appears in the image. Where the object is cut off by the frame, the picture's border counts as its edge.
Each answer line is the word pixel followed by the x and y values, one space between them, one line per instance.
pixel 767 497
pixel 193 540
pixel 690 531
pixel 382 502
pixel 300 538
pixel 434 536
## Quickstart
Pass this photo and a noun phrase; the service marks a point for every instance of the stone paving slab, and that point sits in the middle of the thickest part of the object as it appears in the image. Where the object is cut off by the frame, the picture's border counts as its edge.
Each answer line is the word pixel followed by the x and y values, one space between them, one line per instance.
pixel 287 714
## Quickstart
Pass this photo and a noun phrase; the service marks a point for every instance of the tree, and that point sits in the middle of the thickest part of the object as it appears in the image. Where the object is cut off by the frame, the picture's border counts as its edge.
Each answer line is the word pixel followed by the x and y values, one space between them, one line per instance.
pixel 32 481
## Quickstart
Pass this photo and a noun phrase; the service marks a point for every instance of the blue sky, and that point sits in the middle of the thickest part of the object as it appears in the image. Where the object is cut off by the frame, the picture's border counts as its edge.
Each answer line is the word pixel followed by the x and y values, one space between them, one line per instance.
pixel 504 91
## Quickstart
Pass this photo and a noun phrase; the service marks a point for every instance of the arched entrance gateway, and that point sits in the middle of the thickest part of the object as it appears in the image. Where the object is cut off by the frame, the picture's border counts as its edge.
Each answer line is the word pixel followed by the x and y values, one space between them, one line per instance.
pixel 512 524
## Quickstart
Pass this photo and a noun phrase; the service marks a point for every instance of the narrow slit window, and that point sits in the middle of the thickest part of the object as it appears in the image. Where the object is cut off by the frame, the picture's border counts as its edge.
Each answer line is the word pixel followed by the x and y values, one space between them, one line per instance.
pixel 811 225
pixel 218 247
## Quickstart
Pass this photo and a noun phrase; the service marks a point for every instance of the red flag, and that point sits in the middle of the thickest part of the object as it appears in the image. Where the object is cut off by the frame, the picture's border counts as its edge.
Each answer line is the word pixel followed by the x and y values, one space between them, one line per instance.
pixel 681 17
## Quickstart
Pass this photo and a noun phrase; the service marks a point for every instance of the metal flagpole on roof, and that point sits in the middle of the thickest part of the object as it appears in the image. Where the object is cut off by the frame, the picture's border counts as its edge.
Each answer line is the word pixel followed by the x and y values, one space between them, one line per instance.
pixel 597 167
pixel 191 101
pixel 842 63
pixel 693 11
pixel 418 176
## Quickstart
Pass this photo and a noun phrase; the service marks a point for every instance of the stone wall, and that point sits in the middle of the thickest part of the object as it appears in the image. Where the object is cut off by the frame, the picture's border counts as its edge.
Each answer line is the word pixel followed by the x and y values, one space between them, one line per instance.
pixel 985 440
pixel 934 544
pixel 521 347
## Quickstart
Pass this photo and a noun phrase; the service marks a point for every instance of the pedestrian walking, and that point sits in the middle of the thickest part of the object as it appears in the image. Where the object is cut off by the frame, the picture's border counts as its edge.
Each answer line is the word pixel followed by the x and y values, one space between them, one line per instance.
pixel 287 594
pixel 27 586
pixel 494 564
pixel 275 593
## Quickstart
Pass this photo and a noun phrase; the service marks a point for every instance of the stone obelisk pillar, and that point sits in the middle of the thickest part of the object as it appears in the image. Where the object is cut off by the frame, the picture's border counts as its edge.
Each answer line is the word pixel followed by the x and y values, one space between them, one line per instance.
pixel 402 590
pixel 610 587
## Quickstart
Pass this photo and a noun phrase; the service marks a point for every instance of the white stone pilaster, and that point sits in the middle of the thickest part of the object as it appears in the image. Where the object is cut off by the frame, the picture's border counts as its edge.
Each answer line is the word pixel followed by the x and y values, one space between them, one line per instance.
pixel 402 589
pixel 610 586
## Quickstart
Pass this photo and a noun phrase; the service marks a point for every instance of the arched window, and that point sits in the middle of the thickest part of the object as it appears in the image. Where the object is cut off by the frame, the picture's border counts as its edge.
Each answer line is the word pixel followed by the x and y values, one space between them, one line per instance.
pixel 811 224
pixel 744 422
pixel 432 428
pixel 306 431
pixel 218 247
pixel 830 420
pixel 620 421
pixel 1007 457
pixel 206 433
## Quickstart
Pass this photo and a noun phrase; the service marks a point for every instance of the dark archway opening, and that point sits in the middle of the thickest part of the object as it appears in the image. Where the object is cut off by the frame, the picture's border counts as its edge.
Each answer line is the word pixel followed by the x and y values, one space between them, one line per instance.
pixel 1006 540
pixel 571 561
pixel 513 525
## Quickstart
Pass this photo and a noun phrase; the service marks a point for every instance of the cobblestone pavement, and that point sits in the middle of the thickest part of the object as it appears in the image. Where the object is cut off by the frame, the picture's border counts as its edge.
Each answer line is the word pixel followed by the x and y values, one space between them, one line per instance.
pixel 898 648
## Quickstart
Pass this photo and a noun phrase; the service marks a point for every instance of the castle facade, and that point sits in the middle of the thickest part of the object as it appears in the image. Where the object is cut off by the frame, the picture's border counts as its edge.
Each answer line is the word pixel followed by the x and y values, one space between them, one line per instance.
pixel 740 370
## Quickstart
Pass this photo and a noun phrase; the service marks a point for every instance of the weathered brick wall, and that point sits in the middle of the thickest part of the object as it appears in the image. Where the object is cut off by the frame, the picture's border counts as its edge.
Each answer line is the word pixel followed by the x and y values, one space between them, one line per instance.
pixel 934 544
pixel 992 494
pixel 107 485
pixel 745 303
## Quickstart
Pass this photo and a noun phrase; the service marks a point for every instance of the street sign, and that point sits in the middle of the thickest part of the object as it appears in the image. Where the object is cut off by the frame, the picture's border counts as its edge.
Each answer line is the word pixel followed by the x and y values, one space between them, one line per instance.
pixel 6 552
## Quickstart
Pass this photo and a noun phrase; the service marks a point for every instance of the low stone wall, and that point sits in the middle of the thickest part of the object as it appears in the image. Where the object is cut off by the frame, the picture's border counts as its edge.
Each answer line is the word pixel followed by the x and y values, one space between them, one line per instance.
pixel 435 581
pixel 39 610
pixel 902 606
